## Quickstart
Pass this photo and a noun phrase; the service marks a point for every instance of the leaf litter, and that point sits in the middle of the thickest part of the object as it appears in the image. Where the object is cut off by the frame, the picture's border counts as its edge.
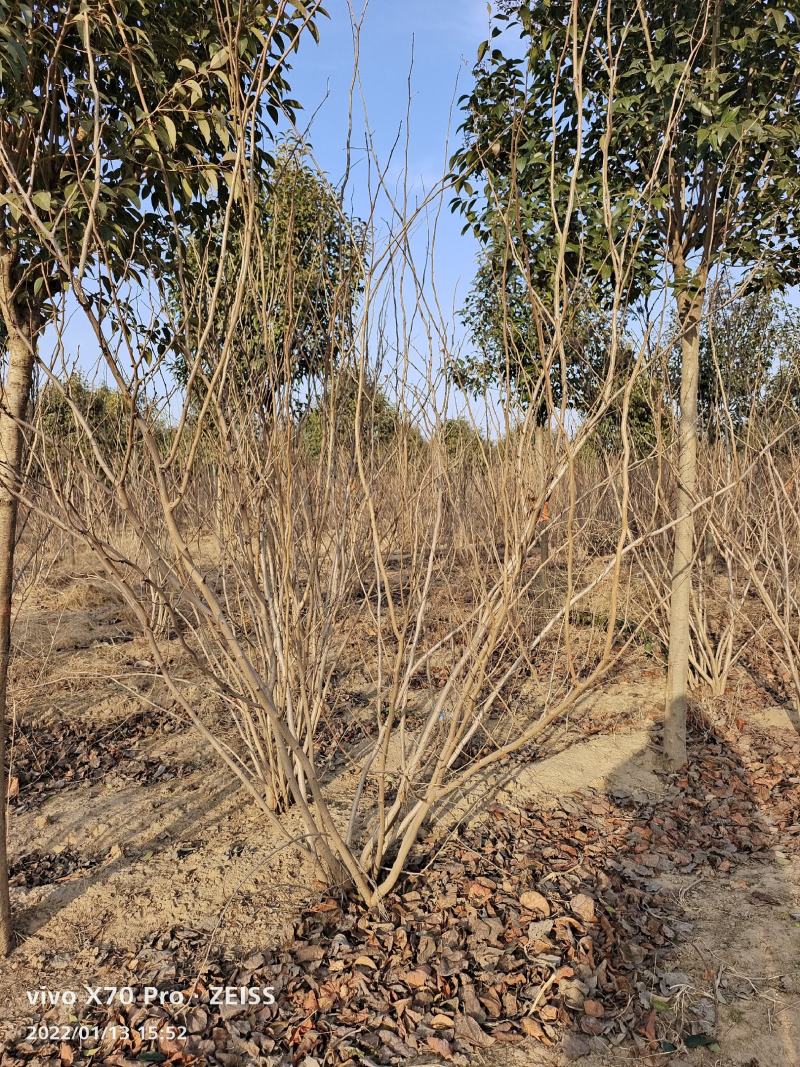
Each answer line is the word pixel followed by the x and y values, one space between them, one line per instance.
pixel 539 923
pixel 48 760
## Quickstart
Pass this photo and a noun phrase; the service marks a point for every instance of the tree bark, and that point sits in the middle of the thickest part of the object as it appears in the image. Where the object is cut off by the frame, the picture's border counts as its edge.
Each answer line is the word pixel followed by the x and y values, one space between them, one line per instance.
pixel 13 411
pixel 675 705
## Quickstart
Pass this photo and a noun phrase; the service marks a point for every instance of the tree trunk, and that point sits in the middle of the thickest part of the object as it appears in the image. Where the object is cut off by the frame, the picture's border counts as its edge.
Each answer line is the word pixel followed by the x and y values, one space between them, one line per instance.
pixel 675 704
pixel 13 411
pixel 541 435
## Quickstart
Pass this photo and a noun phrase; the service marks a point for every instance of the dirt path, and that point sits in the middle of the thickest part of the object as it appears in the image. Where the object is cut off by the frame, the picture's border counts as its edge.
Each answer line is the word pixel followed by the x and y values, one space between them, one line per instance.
pixel 160 840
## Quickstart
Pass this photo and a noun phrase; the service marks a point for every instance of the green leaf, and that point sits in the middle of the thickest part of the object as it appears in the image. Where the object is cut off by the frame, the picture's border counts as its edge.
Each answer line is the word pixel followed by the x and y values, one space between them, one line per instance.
pixel 131 195
pixel 82 22
pixel 172 133
pixel 12 201
pixel 150 138
pixel 219 59
pixel 42 199
pixel 210 176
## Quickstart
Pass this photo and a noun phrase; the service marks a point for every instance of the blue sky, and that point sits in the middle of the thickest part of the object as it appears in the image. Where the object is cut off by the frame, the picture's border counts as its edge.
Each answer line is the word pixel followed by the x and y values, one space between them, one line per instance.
pixel 432 44
pixel 441 36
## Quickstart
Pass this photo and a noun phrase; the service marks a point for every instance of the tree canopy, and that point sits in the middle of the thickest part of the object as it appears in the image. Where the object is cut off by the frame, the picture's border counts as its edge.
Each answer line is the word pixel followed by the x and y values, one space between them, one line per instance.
pixel 119 123
pixel 749 343
pixel 688 120
pixel 305 276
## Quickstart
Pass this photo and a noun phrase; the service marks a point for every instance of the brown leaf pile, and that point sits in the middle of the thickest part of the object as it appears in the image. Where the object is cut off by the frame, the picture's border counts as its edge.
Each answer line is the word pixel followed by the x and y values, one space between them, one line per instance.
pixel 46 868
pixel 536 923
pixel 45 761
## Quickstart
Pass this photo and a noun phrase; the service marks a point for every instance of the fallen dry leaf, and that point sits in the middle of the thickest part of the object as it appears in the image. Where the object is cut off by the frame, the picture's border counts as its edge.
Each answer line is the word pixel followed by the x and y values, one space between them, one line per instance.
pixel 535 903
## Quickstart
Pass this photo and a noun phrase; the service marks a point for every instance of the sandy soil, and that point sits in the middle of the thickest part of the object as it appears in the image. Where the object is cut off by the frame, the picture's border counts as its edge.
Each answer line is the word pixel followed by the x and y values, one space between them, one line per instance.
pixel 183 846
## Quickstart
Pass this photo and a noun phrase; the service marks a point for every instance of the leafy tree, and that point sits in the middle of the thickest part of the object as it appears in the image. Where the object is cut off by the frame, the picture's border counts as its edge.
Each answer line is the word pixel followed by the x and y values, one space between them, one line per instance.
pixel 105 410
pixel 780 410
pixel 119 125
pixel 510 339
pixel 462 439
pixel 744 341
pixel 306 281
pixel 683 117
pixel 334 414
